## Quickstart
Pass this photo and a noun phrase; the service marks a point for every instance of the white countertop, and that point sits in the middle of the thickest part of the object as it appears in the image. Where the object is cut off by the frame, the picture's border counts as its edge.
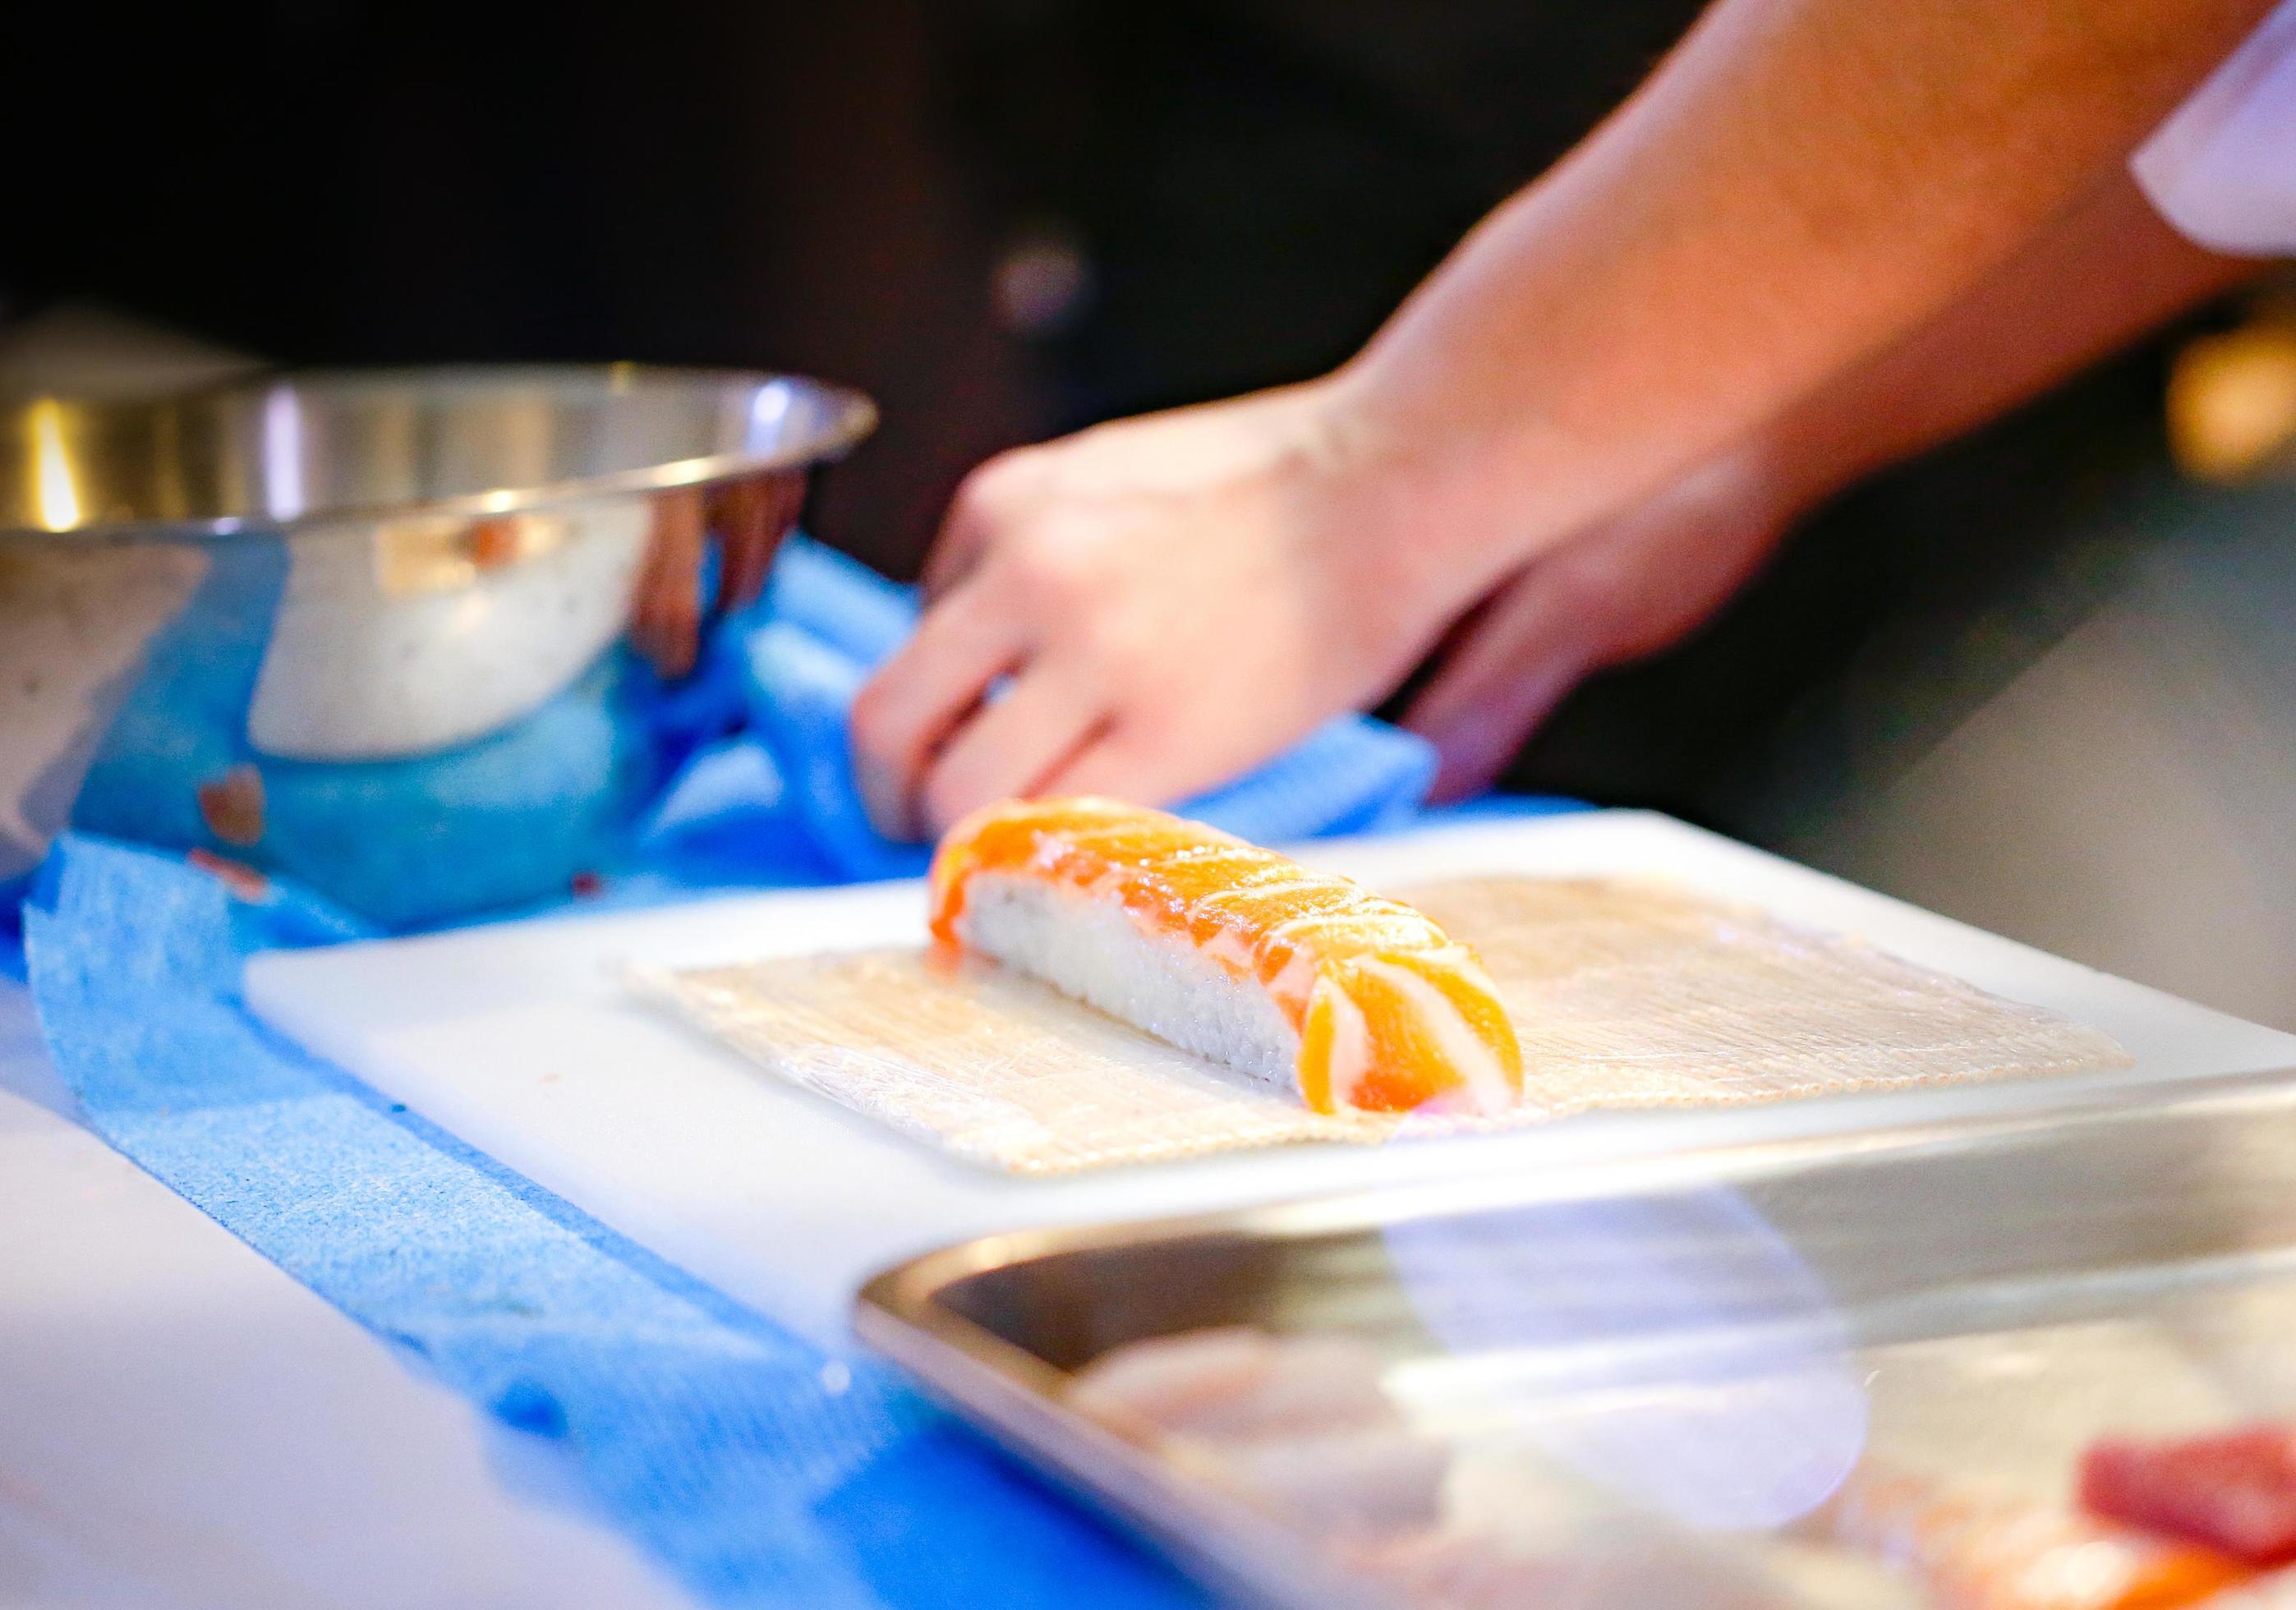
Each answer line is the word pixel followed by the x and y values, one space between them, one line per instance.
pixel 182 1425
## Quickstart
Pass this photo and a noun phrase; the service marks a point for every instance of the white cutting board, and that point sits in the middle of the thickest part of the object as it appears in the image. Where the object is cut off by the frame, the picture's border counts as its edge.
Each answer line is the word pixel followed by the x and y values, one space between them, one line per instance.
pixel 521 1040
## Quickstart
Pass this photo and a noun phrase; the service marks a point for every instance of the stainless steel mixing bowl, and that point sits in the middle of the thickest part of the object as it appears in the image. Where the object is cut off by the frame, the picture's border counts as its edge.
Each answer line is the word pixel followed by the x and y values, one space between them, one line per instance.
pixel 407 635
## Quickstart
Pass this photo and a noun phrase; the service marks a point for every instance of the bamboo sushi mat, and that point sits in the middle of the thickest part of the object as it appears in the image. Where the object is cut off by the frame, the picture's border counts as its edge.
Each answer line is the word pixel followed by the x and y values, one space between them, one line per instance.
pixel 1624 995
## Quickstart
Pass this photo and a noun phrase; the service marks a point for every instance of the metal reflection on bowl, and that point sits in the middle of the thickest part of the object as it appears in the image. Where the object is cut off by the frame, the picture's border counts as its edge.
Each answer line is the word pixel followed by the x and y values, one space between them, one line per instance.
pixel 323 582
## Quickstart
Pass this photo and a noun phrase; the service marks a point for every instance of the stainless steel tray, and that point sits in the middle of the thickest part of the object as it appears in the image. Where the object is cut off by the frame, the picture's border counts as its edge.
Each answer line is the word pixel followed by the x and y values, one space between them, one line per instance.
pixel 1706 1344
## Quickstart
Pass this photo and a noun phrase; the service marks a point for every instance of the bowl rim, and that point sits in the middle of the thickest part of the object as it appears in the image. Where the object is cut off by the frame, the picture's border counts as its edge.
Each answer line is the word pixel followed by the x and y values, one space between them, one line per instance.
pixel 852 415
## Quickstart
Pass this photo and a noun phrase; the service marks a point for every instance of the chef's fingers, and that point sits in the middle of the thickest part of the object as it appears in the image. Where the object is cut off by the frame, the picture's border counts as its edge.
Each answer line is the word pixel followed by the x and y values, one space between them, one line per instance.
pixel 983 503
pixel 1472 753
pixel 666 624
pixel 920 696
pixel 1017 737
pixel 1124 761
pixel 1500 674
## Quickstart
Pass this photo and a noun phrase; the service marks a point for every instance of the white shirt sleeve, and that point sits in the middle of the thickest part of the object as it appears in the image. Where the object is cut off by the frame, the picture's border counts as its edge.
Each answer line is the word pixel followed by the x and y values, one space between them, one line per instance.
pixel 2222 169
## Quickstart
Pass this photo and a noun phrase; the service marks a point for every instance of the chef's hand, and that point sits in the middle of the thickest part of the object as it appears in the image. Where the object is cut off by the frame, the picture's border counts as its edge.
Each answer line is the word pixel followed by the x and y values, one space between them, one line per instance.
pixel 1148 608
pixel 1623 589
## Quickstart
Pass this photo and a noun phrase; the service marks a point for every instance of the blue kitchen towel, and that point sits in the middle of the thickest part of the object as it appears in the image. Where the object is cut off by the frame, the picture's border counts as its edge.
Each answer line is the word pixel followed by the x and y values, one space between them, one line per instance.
pixel 763 1470
pixel 826 622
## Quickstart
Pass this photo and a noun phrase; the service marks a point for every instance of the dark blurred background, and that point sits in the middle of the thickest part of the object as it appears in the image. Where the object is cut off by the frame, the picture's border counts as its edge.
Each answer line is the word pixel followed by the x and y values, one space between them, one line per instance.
pixel 1007 218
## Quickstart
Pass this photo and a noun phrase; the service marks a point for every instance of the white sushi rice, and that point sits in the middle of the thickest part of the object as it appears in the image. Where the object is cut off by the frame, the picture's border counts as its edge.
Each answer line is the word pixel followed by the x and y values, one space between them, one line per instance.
pixel 1093 950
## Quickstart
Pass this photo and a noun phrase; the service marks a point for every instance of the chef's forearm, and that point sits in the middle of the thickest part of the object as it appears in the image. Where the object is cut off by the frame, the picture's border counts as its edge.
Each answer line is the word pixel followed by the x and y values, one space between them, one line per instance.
pixel 2108 272
pixel 1802 183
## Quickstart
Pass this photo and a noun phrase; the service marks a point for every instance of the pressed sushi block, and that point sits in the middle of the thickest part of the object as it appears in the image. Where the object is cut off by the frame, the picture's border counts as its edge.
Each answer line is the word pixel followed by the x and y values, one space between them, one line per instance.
pixel 1230 951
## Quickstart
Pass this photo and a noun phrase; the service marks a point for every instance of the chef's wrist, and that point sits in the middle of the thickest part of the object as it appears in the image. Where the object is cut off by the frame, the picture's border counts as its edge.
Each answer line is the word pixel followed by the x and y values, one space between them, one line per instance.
pixel 1432 506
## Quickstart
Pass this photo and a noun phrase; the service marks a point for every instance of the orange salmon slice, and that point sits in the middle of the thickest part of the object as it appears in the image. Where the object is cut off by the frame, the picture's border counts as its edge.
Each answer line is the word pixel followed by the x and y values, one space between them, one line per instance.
pixel 1391 1012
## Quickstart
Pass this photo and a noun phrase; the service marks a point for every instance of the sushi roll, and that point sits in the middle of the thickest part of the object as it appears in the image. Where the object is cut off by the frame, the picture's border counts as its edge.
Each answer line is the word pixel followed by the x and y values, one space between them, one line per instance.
pixel 1230 951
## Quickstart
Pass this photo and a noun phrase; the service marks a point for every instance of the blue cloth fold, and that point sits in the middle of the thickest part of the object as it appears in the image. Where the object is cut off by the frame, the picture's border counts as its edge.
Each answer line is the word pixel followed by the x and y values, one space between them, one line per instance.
pixel 760 1468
